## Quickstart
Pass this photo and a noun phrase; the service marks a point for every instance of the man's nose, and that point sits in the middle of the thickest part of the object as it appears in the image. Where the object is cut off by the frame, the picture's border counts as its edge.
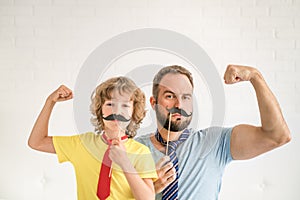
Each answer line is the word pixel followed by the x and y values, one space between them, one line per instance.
pixel 178 102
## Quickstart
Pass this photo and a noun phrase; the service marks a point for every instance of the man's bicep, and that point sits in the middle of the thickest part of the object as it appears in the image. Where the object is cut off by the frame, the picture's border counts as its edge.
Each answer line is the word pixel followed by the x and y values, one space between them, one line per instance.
pixel 249 141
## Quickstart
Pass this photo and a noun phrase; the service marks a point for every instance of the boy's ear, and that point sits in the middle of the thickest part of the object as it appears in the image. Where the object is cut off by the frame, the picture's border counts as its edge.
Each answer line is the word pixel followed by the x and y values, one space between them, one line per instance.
pixel 153 102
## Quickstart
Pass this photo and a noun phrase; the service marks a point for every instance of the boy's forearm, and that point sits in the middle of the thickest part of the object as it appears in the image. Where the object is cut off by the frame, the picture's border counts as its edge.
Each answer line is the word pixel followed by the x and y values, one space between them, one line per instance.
pixel 140 189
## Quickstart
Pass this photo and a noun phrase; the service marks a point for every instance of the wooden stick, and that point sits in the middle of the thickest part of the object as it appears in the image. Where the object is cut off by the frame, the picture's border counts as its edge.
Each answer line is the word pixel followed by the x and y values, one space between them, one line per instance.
pixel 167 147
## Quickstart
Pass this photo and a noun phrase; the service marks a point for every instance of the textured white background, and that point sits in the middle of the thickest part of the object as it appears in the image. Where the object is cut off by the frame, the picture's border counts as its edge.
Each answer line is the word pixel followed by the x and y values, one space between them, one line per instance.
pixel 43 43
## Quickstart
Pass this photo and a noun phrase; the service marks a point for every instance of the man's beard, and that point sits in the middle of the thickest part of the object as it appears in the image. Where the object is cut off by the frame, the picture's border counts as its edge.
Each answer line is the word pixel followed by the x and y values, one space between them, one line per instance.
pixel 175 126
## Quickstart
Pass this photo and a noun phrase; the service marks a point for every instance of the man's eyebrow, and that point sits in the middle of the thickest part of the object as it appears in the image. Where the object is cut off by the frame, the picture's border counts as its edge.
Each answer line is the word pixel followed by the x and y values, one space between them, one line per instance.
pixel 168 91
pixel 184 94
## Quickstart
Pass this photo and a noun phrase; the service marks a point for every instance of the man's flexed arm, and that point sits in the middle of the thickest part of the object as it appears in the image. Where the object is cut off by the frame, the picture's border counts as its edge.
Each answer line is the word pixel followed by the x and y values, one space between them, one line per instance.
pixel 248 141
pixel 39 138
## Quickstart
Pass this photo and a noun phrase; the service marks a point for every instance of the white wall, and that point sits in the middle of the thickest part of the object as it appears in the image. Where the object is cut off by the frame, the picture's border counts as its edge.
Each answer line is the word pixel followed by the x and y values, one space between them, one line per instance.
pixel 43 43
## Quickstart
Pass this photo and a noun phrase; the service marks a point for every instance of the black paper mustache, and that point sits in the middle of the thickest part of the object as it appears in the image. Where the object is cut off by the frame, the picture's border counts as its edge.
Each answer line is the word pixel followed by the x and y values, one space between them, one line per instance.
pixel 116 117
pixel 179 111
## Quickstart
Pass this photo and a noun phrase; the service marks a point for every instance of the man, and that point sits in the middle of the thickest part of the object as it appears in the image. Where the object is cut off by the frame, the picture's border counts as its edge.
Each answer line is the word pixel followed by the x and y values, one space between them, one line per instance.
pixel 198 158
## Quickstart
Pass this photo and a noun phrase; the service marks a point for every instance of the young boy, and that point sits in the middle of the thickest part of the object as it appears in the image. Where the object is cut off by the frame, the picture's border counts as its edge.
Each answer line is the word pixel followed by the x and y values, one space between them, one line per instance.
pixel 108 165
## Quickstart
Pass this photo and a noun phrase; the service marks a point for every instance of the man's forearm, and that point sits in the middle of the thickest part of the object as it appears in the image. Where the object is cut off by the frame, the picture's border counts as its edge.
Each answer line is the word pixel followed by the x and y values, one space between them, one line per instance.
pixel 272 120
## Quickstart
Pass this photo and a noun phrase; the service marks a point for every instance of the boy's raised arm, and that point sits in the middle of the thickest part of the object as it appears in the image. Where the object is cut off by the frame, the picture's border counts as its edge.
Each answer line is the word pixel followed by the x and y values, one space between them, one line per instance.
pixel 39 139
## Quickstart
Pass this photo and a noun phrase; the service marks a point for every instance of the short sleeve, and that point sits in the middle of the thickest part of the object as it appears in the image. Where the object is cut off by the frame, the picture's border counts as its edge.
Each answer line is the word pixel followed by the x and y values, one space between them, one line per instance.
pixel 223 146
pixel 65 147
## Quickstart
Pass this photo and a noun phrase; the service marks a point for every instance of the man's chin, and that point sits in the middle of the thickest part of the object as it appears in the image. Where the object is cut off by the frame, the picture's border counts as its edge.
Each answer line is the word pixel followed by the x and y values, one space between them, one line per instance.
pixel 175 128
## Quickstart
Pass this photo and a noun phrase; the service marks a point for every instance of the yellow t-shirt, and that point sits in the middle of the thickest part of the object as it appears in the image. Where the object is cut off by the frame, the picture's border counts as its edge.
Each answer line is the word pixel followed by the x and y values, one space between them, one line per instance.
pixel 86 151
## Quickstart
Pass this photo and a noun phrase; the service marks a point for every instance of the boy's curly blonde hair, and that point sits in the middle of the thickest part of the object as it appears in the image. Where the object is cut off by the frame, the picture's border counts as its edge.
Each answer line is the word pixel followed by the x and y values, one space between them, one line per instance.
pixel 122 85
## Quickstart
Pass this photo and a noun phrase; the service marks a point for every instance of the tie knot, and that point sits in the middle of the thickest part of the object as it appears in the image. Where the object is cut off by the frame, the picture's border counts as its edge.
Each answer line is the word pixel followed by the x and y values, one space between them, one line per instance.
pixel 109 141
pixel 172 144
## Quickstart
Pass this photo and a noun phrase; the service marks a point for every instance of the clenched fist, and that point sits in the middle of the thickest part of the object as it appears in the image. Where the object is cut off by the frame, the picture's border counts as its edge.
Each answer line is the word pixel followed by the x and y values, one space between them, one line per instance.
pixel 237 73
pixel 118 153
pixel 63 93
pixel 166 173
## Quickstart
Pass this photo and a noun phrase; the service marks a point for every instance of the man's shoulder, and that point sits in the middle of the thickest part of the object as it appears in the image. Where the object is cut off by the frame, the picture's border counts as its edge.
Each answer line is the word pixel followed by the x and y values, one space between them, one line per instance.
pixel 207 140
pixel 212 133
pixel 208 135
pixel 213 130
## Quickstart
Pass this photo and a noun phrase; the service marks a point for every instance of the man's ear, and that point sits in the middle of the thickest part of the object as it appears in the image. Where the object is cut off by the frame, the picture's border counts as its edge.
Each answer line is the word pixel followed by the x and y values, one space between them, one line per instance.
pixel 153 102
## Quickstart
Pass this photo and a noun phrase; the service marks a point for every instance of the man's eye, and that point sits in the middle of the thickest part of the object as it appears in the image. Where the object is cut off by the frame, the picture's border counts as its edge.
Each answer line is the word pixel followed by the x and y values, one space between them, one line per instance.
pixel 170 96
pixel 186 97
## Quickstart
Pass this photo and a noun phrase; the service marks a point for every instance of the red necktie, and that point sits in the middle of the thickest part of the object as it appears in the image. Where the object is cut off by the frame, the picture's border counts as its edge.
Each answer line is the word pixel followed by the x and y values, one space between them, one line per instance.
pixel 104 178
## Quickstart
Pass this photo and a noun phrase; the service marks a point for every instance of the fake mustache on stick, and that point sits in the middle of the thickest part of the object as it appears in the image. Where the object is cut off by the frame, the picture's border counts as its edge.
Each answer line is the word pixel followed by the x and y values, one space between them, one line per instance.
pixel 116 117
pixel 179 111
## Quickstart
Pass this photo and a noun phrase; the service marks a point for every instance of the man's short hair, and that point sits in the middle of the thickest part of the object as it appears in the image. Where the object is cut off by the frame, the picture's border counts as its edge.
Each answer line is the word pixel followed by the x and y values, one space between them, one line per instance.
pixel 173 69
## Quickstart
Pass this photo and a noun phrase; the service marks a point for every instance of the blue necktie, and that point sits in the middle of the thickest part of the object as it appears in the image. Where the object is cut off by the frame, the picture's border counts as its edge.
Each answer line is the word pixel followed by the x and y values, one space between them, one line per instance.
pixel 171 191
